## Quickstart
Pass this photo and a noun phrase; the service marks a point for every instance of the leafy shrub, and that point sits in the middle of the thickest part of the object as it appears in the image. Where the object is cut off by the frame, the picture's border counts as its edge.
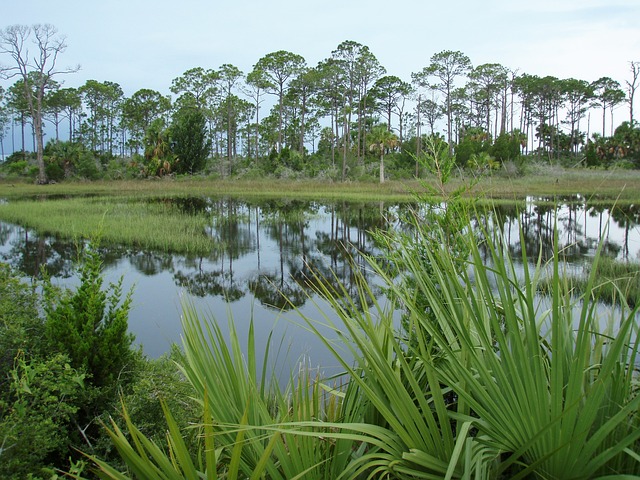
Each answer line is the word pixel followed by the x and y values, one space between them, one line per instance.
pixel 87 167
pixel 38 414
pixel 624 165
pixel 190 141
pixel 20 324
pixel 54 171
pixel 506 147
pixel 155 380
pixel 22 168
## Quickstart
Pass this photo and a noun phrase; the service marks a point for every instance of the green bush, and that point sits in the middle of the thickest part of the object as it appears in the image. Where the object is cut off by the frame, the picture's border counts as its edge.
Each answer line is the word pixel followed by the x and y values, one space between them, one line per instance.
pixel 190 141
pixel 161 379
pixel 54 171
pixel 21 168
pixel 20 323
pixel 90 325
pixel 87 167
pixel 36 424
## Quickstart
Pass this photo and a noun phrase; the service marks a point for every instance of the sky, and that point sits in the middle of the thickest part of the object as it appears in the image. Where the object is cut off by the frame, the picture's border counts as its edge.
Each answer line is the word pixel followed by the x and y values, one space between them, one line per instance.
pixel 147 43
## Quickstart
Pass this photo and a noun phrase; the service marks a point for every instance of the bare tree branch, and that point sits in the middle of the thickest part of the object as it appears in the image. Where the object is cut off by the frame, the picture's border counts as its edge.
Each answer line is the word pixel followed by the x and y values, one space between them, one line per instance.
pixel 36 72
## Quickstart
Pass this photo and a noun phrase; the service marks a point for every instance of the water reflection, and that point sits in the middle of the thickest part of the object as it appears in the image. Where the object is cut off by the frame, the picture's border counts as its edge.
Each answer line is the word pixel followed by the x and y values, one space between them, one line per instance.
pixel 285 246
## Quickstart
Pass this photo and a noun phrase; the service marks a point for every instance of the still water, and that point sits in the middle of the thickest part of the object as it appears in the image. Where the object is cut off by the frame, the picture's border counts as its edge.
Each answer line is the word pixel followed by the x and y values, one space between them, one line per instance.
pixel 269 247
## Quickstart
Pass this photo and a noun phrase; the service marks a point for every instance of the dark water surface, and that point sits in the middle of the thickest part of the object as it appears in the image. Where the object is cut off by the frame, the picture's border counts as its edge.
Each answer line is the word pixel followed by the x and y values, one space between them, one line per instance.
pixel 271 247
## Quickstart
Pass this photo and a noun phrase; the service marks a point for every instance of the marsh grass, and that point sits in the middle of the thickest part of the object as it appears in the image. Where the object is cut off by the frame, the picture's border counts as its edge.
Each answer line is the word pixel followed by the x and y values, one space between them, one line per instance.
pixel 268 188
pixel 121 220
pixel 618 282
pixel 596 185
pixel 489 381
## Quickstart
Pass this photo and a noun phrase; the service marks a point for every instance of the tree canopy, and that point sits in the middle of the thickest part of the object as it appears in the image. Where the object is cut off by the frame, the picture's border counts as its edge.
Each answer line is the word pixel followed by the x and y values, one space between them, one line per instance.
pixel 253 121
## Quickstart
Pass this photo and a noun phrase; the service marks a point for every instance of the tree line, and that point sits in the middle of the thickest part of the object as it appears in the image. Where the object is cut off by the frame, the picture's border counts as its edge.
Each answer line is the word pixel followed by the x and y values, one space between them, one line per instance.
pixel 334 116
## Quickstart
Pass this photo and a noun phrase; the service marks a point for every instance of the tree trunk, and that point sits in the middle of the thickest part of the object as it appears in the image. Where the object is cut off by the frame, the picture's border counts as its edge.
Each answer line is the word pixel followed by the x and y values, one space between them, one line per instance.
pixel 229 146
pixel 419 137
pixel 37 125
pixel 22 125
pixel 280 119
pixel 347 133
pixel 302 111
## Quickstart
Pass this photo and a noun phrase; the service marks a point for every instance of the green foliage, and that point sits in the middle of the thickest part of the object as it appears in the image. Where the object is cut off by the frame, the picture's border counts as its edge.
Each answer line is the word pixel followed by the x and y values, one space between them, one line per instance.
pixel 37 415
pixel 250 429
pixel 120 169
pixel 89 324
pixel 623 145
pixel 482 162
pixel 439 163
pixel 158 158
pixel 147 459
pixel 474 141
pixel 48 401
pixel 190 140
pixel 87 167
pixel 20 325
pixel 507 147
pixel 21 168
pixel 161 379
pixel 54 171
pixel 628 136
pixel 550 388
pixel 61 159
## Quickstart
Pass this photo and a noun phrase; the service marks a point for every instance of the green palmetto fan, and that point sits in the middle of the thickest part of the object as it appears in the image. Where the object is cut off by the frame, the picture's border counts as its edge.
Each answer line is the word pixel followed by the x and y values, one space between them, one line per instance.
pixel 487 378
pixel 549 384
pixel 250 428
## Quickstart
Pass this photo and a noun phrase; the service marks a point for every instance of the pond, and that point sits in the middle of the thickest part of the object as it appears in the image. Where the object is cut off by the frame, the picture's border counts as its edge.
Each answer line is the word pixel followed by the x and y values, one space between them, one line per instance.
pixel 269 247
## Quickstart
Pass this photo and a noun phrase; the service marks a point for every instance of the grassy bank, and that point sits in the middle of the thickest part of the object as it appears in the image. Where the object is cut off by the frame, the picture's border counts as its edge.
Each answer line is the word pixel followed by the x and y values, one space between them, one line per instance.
pixel 596 185
pixel 618 281
pixel 115 211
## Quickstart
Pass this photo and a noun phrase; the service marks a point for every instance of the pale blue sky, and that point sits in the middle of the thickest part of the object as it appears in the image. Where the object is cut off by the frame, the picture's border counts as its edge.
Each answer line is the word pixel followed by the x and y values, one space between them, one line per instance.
pixel 147 43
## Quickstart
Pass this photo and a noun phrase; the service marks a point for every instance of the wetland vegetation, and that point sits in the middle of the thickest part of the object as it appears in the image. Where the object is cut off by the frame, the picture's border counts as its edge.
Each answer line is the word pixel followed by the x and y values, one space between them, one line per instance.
pixel 456 282
pixel 339 427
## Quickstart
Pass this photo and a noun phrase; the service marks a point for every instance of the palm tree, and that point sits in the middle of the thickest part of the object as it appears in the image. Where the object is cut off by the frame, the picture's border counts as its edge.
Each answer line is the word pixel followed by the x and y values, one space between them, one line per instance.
pixel 381 141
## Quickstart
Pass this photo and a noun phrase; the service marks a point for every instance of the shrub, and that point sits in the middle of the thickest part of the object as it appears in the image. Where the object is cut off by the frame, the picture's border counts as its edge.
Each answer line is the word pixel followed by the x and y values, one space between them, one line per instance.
pixel 88 324
pixel 190 141
pixel 87 167
pixel 20 324
pixel 37 416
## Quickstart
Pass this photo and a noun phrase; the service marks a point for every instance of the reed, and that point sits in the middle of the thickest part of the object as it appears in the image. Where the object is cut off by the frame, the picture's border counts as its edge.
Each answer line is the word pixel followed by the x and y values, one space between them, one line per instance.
pixel 618 281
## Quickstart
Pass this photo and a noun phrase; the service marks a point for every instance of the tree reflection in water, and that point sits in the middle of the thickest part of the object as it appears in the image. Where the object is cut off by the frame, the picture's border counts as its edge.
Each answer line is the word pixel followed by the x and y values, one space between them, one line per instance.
pixel 271 253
